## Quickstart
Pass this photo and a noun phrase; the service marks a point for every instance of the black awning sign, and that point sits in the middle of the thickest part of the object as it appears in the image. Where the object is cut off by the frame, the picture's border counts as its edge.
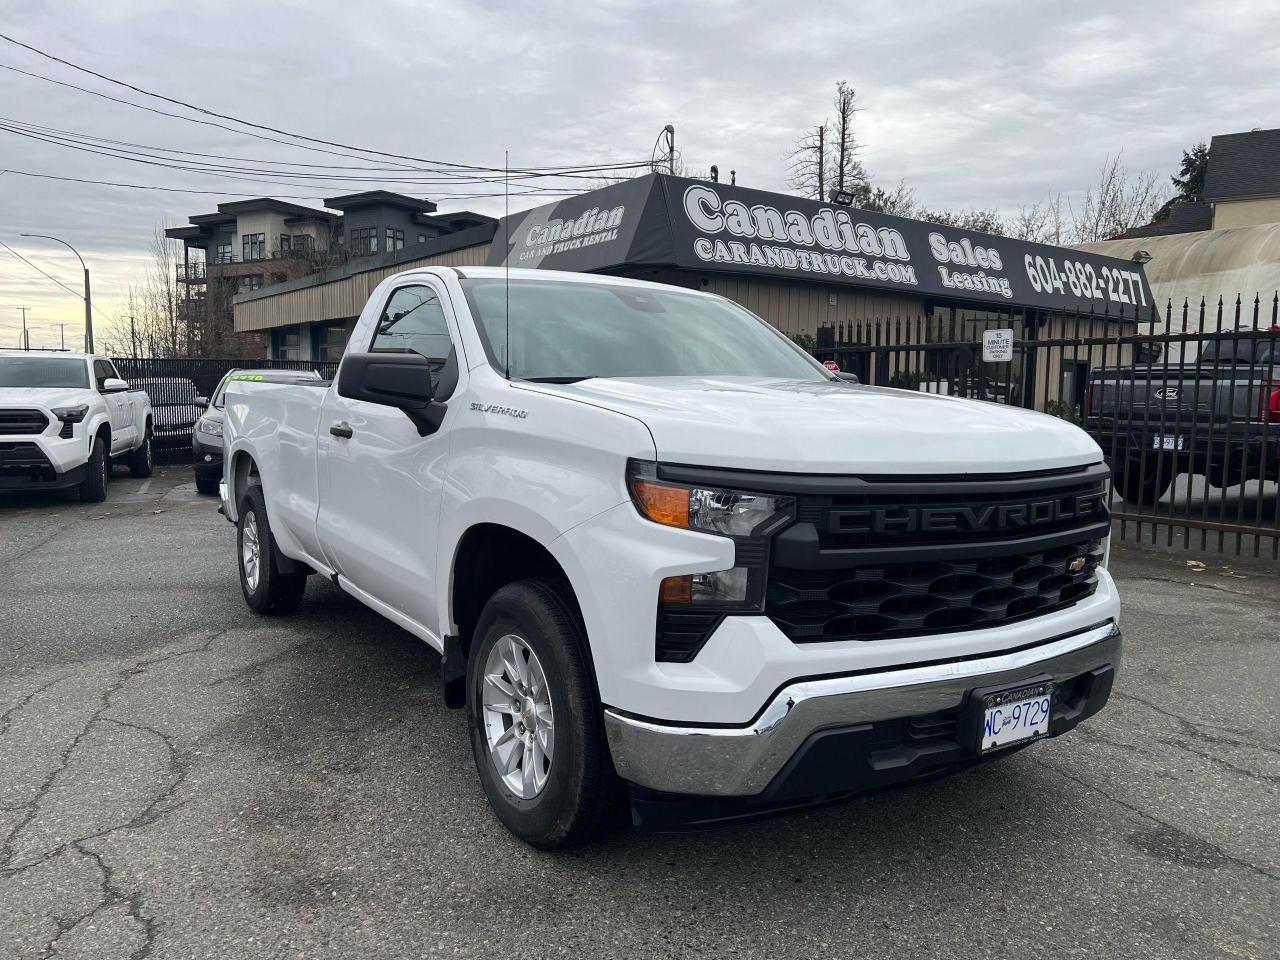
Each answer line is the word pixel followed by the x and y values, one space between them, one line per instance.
pixel 698 225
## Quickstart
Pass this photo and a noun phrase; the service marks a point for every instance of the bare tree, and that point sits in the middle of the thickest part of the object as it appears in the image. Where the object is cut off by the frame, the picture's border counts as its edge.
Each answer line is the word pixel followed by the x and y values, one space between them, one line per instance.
pixel 1042 222
pixel 807 164
pixel 845 171
pixel 899 202
pixel 1117 202
pixel 978 220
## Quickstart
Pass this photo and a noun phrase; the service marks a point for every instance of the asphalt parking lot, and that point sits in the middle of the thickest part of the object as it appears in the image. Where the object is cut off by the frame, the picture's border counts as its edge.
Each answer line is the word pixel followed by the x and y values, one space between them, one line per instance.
pixel 179 778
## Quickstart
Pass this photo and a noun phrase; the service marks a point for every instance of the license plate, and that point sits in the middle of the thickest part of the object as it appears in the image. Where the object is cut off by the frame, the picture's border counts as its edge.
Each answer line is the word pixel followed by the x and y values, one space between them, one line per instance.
pixel 1164 442
pixel 1013 716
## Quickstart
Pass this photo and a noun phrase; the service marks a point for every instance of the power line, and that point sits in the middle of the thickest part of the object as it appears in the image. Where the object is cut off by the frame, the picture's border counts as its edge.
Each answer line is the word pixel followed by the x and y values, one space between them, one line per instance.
pixel 77 294
pixel 121 148
pixel 546 171
pixel 320 189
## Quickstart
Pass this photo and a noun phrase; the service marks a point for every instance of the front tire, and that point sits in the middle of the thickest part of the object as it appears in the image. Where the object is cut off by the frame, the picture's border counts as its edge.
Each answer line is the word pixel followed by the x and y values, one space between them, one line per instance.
pixel 142 460
pixel 93 488
pixel 537 734
pixel 266 589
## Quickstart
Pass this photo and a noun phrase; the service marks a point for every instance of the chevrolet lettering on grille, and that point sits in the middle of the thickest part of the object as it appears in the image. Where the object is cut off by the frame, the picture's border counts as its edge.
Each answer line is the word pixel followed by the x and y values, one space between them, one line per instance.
pixel 900 520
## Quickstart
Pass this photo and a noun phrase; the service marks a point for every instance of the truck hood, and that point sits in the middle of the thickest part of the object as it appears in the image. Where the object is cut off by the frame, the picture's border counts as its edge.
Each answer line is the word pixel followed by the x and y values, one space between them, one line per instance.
pixel 44 396
pixel 799 426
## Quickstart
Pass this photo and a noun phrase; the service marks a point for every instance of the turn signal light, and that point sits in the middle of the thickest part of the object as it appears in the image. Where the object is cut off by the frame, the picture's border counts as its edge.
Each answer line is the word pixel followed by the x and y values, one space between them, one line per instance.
pixel 676 590
pixel 661 502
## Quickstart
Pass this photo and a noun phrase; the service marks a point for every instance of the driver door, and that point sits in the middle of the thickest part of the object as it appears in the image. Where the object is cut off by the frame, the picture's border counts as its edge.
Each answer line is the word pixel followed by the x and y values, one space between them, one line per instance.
pixel 380 482
pixel 122 431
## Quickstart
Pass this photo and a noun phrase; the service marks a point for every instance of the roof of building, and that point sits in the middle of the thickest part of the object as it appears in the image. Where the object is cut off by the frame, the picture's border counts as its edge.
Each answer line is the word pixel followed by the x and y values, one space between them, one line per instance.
pixel 457 220
pixel 367 197
pixel 1243 165
pixel 1185 216
pixel 1237 261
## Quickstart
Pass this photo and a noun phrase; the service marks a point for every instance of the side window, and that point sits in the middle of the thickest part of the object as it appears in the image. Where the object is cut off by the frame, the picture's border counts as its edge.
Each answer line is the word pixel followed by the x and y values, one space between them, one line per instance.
pixel 413 321
pixel 101 370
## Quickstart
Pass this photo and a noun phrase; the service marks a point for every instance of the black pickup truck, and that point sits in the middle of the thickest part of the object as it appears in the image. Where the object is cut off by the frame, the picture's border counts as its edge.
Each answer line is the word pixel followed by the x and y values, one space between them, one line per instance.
pixel 1216 415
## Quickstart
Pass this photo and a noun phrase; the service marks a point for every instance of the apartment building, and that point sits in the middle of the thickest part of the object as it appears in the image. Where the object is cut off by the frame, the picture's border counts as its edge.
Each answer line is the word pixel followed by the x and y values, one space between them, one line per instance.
pixel 246 245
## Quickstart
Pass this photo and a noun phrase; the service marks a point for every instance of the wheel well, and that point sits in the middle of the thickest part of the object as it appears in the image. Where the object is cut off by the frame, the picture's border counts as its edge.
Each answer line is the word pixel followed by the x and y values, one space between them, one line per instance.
pixel 489 557
pixel 103 433
pixel 243 468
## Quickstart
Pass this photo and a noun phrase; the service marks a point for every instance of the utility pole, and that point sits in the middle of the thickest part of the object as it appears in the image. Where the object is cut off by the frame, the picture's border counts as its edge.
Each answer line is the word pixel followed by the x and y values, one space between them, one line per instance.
pixel 670 131
pixel 62 327
pixel 822 161
pixel 133 337
pixel 88 301
pixel 25 343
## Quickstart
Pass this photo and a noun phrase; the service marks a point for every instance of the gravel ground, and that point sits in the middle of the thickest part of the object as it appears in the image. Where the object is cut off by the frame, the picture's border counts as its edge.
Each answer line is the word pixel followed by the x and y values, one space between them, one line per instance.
pixel 179 778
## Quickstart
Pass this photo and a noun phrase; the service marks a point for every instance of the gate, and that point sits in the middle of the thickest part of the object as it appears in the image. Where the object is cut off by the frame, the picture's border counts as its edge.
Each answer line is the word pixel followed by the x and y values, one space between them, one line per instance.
pixel 1185 403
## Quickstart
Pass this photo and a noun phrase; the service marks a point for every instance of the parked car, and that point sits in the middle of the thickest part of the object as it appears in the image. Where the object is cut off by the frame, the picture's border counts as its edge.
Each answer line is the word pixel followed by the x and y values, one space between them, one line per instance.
pixel 175 401
pixel 1217 415
pixel 668 558
pixel 64 418
pixel 206 436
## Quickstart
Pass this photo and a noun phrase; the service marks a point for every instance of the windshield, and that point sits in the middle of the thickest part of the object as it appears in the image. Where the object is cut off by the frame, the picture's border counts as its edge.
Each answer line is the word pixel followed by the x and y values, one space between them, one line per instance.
pixel 1252 350
pixel 572 331
pixel 43 372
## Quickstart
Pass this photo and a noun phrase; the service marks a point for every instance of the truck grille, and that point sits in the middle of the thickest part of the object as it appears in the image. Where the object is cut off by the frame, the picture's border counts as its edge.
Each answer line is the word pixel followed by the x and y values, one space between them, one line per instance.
pixel 883 557
pixel 878 601
pixel 19 422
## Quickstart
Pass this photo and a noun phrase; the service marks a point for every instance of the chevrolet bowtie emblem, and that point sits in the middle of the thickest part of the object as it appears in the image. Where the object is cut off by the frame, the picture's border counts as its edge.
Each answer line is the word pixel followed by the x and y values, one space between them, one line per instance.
pixel 1076 565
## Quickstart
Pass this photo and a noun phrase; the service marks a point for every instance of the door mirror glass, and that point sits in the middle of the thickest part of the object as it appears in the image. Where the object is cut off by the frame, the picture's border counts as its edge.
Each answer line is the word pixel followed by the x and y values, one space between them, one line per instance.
pixel 202 401
pixel 114 385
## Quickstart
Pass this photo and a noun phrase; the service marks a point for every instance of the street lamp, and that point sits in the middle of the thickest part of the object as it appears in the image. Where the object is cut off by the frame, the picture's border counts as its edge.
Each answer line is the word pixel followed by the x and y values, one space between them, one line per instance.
pixel 88 303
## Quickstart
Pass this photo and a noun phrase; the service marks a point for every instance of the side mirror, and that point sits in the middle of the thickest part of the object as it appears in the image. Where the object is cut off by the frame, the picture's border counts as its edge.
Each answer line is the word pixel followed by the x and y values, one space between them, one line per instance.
pixel 202 401
pixel 114 385
pixel 401 380
pixel 848 377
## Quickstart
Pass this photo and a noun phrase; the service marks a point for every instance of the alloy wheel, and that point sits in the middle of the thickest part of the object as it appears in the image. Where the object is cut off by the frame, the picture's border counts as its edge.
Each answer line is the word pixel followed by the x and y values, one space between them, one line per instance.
pixel 519 722
pixel 250 551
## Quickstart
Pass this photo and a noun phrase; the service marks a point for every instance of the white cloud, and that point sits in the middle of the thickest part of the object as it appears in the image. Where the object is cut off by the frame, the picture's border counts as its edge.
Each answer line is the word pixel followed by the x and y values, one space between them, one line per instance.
pixel 973 104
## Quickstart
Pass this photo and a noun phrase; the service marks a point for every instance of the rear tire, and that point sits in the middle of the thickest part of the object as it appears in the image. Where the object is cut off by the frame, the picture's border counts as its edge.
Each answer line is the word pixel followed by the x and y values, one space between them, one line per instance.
pixel 93 488
pixel 1144 488
pixel 207 485
pixel 142 461
pixel 574 794
pixel 266 589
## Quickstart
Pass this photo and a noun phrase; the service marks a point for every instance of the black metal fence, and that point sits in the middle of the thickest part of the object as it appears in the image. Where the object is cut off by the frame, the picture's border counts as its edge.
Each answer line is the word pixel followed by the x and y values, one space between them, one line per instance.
pixel 1184 402
pixel 175 386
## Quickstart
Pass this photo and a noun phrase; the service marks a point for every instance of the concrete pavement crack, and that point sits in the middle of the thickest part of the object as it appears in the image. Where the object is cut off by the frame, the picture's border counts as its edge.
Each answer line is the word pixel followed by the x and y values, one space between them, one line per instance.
pixel 34 547
pixel 1194 729
pixel 6 718
pixel 1138 811
pixel 149 815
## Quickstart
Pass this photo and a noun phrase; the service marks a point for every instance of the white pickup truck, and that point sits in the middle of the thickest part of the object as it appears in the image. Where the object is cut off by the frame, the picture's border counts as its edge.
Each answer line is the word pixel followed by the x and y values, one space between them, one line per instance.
pixel 668 558
pixel 64 418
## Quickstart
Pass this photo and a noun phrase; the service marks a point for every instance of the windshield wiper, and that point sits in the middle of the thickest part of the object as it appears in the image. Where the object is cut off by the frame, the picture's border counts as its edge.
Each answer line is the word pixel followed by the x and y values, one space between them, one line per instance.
pixel 589 376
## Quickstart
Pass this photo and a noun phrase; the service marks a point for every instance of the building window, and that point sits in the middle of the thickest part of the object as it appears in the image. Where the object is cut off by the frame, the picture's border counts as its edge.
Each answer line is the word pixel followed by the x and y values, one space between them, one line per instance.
pixel 285 241
pixel 422 238
pixel 251 283
pixel 364 241
pixel 222 253
pixel 253 246
pixel 303 243
pixel 395 240
pixel 290 345
pixel 333 341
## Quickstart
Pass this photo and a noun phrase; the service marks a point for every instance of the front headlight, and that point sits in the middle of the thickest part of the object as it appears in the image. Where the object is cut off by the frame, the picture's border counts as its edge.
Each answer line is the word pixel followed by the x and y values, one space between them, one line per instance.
pixel 730 513
pixel 749 519
pixel 212 428
pixel 71 414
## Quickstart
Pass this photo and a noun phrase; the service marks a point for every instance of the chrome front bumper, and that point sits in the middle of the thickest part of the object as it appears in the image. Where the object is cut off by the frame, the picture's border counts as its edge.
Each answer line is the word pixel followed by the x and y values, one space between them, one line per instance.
pixel 743 761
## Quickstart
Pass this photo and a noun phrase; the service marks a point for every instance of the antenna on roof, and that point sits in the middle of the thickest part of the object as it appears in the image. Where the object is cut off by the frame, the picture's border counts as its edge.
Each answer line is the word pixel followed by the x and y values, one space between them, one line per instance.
pixel 506 240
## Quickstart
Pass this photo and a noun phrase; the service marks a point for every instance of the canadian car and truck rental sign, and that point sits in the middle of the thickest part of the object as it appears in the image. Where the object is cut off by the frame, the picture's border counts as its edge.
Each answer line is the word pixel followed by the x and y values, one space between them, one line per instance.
pixel 665 221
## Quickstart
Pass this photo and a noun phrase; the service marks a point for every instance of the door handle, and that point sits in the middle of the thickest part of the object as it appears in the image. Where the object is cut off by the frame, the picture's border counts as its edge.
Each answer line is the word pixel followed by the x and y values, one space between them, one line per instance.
pixel 341 429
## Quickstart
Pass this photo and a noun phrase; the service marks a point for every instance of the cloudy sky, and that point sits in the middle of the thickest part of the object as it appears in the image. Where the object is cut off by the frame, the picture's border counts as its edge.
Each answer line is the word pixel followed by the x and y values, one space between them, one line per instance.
pixel 972 104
